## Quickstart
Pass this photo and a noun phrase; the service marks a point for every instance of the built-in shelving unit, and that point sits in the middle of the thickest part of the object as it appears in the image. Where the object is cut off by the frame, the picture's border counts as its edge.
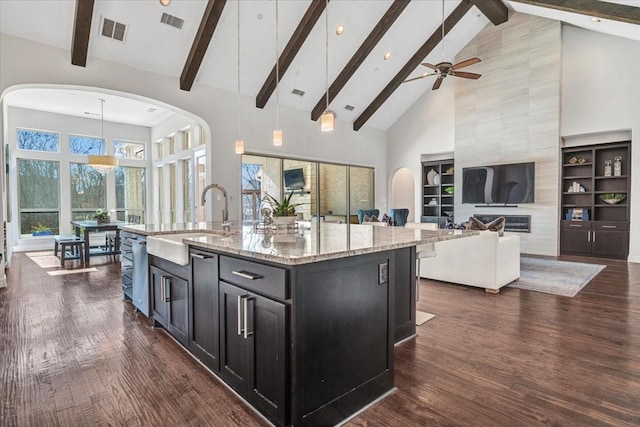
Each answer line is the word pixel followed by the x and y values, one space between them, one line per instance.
pixel 437 202
pixel 589 225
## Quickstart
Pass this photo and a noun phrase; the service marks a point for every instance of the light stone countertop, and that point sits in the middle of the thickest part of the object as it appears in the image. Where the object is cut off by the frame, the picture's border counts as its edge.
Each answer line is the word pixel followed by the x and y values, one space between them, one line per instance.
pixel 326 242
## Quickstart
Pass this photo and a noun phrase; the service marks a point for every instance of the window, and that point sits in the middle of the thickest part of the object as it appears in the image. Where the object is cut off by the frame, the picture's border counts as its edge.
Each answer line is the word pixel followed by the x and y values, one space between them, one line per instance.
pixel 88 191
pixel 172 191
pixel 130 194
pixel 129 150
pixel 36 140
pixel 158 146
pixel 38 192
pixel 186 139
pixel 251 187
pixel 172 145
pixel 187 183
pixel 85 145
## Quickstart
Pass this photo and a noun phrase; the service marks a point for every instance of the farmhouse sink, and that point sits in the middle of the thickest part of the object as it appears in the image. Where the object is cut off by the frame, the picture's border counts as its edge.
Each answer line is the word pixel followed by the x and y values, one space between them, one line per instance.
pixel 171 247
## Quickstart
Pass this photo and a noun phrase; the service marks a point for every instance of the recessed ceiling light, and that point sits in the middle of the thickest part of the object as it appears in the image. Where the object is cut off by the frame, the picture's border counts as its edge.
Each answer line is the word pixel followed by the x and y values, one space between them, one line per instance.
pixel 260 16
pixel 165 2
pixel 340 29
pixel 387 55
pixel 425 74
pixel 594 19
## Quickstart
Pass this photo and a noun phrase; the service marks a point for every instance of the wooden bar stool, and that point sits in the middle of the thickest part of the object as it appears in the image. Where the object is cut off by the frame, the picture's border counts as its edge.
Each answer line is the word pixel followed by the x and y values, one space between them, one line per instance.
pixel 71 247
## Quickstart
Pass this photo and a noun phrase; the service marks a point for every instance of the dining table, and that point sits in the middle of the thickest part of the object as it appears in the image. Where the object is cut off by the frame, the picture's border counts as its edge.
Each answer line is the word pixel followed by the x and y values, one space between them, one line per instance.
pixel 84 228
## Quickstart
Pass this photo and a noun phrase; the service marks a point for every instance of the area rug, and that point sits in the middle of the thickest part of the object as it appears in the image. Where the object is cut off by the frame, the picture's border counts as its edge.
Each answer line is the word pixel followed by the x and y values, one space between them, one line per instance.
pixel 562 278
pixel 422 317
pixel 44 259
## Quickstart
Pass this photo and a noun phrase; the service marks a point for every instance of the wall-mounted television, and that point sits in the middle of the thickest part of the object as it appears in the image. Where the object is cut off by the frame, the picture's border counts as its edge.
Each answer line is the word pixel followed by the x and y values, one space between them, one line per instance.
pixel 294 179
pixel 499 184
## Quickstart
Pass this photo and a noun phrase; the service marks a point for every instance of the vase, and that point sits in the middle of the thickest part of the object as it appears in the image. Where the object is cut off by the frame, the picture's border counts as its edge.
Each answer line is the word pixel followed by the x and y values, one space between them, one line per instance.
pixel 436 179
pixel 617 166
pixel 105 220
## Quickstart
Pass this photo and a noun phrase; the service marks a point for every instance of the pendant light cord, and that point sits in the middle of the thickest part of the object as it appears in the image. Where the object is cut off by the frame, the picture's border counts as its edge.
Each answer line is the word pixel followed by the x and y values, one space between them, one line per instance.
pixel 102 120
pixel 238 100
pixel 326 49
pixel 277 73
pixel 442 40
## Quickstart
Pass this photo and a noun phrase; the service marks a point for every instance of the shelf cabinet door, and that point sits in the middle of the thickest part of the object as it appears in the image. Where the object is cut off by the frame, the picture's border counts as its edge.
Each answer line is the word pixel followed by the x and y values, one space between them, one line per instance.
pixel 576 242
pixel 205 324
pixel 610 244
pixel 159 299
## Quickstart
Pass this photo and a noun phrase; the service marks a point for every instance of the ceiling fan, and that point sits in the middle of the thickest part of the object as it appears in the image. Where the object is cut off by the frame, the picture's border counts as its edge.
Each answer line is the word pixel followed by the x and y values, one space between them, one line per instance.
pixel 444 69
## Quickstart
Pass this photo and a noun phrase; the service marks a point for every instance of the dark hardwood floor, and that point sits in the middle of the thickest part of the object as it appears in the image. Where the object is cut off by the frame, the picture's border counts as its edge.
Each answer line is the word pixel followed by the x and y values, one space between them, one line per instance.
pixel 72 353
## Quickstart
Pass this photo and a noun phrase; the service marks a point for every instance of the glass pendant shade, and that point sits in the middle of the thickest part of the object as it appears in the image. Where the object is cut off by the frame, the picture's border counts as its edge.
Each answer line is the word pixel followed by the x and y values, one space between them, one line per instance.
pixel 103 162
pixel 277 138
pixel 239 146
pixel 326 121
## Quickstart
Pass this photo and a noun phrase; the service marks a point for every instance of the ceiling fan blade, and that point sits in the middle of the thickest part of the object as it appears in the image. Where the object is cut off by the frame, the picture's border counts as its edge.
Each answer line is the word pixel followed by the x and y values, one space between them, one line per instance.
pixel 466 75
pixel 466 63
pixel 437 84
pixel 425 64
pixel 419 77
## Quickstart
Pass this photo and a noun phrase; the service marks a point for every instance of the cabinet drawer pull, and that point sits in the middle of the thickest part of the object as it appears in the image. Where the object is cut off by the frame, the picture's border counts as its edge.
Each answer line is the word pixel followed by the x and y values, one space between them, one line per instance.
pixel 240 329
pixel 574 225
pixel 247 275
pixel 609 226
pixel 246 317
pixel 589 236
pixel 593 239
pixel 164 289
pixel 202 256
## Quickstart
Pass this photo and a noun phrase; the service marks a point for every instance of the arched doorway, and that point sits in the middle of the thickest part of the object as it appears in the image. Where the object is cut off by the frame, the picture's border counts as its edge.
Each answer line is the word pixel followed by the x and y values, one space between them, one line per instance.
pixel 403 192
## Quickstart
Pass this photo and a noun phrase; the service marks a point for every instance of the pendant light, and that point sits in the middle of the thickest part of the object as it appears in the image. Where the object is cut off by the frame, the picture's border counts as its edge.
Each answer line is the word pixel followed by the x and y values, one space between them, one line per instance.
pixel 327 118
pixel 103 163
pixel 277 132
pixel 239 144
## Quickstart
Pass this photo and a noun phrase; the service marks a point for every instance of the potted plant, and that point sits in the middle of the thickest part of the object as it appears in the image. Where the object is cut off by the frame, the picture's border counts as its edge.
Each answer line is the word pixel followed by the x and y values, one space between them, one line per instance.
pixel 102 216
pixel 41 230
pixel 283 211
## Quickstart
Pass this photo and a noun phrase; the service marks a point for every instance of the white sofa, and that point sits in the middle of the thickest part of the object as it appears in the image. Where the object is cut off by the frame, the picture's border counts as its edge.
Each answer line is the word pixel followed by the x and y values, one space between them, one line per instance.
pixel 486 261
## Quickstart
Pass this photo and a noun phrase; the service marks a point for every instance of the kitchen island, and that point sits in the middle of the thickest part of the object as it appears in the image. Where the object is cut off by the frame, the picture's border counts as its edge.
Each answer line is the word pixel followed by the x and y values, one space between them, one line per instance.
pixel 302 324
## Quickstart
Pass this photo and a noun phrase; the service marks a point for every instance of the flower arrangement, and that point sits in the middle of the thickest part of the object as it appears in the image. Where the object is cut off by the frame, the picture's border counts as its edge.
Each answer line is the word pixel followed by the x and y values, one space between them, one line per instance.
pixel 102 216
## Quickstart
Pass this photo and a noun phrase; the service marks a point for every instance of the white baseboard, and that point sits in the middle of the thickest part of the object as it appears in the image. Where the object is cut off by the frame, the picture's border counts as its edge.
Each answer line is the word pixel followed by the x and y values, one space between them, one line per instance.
pixel 634 258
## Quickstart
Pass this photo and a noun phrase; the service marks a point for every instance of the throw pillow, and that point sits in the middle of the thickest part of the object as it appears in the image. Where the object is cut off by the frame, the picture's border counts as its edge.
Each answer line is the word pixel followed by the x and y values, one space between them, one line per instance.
pixel 496 225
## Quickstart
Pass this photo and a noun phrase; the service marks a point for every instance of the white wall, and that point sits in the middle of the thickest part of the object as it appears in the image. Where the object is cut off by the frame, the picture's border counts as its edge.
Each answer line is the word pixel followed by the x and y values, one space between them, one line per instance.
pixel 601 94
pixel 26 62
pixel 427 127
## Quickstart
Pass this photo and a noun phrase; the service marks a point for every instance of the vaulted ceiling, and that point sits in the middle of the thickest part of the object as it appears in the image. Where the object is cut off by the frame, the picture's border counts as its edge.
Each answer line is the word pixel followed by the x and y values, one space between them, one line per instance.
pixel 204 50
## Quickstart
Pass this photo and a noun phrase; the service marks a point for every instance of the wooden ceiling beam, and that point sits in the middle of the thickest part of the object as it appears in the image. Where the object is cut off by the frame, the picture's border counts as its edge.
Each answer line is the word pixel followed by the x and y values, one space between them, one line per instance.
pixel 411 65
pixel 81 32
pixel 298 38
pixel 494 10
pixel 208 25
pixel 361 54
pixel 597 9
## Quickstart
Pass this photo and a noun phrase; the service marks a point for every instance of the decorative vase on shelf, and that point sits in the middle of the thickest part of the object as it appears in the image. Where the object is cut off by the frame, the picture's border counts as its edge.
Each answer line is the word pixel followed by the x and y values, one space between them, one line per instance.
pixel 430 176
pixel 436 179
pixel 617 166
pixel 607 168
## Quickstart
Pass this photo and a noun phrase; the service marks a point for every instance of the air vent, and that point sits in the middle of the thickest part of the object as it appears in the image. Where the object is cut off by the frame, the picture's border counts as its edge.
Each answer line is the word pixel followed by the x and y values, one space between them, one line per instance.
pixel 349 107
pixel 298 92
pixel 113 30
pixel 171 20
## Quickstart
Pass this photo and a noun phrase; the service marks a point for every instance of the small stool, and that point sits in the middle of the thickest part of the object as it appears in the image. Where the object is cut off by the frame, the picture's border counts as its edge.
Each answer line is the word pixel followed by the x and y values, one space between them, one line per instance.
pixel 112 243
pixel 71 247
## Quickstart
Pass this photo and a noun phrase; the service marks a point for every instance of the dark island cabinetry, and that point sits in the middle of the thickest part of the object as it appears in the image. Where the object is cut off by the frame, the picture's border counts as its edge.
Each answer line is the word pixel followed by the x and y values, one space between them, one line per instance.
pixel 308 344
pixel 595 205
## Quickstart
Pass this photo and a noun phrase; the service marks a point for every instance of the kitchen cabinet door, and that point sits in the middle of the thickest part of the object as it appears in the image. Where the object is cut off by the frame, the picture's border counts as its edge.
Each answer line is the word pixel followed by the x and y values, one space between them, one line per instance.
pixel 204 314
pixel 234 366
pixel 160 303
pixel 178 296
